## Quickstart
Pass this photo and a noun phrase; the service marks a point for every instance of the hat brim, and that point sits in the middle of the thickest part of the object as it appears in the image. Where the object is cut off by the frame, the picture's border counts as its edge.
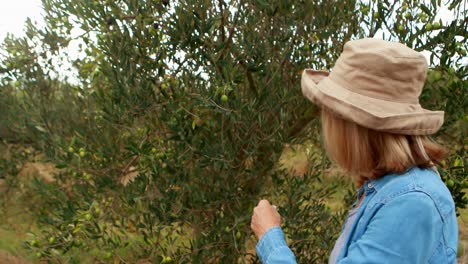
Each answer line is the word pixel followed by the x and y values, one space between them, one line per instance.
pixel 382 115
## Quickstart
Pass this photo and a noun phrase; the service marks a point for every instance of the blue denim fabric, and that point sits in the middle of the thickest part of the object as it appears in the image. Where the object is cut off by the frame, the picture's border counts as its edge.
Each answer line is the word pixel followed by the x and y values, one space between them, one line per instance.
pixel 403 218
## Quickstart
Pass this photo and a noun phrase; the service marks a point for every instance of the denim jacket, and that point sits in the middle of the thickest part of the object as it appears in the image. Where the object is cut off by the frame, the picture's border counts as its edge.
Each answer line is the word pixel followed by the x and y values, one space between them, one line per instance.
pixel 403 218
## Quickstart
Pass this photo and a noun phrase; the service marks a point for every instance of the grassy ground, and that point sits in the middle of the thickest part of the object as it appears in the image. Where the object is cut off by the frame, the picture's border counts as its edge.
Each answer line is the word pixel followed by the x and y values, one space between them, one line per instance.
pixel 463 236
pixel 16 224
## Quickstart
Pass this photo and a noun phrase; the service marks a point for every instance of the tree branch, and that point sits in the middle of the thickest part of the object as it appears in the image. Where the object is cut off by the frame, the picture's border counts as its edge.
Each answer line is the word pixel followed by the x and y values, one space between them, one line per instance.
pixel 302 122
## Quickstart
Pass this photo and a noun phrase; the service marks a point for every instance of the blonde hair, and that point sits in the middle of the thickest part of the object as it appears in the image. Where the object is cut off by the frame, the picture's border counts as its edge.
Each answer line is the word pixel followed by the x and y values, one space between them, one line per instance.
pixel 370 154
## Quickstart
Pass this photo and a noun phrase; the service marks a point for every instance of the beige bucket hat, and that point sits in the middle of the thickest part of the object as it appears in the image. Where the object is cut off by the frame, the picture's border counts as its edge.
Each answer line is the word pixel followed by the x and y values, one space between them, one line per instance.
pixel 376 84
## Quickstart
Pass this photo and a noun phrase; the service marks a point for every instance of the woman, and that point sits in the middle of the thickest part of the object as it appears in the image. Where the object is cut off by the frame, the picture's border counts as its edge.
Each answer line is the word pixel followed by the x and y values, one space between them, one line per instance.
pixel 375 129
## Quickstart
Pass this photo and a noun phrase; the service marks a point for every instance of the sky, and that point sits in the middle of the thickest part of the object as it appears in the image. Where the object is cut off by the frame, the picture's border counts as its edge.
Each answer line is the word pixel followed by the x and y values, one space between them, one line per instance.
pixel 13 14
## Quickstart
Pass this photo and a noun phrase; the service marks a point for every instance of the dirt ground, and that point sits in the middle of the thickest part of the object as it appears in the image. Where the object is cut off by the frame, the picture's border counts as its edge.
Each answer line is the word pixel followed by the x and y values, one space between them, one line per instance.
pixel 6 257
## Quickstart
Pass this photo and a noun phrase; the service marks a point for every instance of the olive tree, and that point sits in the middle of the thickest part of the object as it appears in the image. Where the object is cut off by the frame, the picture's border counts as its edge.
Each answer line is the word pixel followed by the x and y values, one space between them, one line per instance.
pixel 190 104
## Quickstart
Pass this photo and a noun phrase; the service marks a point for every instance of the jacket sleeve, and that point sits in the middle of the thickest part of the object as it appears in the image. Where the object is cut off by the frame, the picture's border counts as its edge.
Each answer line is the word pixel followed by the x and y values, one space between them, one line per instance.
pixel 272 248
pixel 405 229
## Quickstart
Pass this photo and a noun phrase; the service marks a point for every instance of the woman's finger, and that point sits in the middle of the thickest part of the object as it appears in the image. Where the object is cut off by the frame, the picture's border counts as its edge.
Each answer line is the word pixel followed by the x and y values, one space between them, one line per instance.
pixel 263 202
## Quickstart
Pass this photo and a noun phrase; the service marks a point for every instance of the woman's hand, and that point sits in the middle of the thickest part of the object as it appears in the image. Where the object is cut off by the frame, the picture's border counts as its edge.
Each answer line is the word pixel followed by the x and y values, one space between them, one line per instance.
pixel 264 216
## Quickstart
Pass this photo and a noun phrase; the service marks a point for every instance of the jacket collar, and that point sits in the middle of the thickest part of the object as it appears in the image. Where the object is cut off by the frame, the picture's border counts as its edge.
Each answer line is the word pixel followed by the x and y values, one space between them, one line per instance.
pixel 378 184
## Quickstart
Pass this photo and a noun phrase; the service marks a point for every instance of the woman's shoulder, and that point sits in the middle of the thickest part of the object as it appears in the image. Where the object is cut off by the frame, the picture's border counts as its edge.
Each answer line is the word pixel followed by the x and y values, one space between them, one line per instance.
pixel 428 181
pixel 423 182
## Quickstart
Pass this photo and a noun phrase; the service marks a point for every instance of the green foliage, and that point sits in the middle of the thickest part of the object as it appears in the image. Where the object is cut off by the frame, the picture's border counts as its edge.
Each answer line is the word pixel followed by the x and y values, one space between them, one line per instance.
pixel 311 227
pixel 197 99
